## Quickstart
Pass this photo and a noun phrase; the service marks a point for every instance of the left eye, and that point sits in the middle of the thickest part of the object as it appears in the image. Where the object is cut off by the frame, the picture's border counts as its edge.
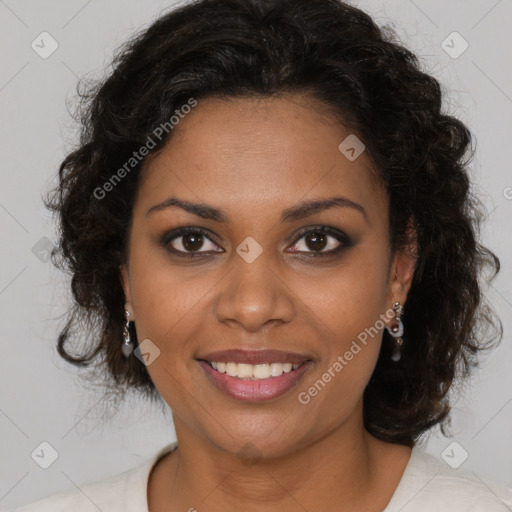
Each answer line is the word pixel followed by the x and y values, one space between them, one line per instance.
pixel 318 241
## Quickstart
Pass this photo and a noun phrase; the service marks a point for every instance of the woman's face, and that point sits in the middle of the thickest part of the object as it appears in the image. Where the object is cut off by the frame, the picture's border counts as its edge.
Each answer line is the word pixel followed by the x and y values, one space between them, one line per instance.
pixel 254 283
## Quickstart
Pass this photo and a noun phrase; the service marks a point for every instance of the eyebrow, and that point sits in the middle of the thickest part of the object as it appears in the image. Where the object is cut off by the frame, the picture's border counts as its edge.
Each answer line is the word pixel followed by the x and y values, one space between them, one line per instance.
pixel 294 213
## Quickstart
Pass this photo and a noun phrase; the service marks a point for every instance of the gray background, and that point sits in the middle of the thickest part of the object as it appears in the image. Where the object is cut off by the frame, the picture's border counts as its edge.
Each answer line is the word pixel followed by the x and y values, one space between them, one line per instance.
pixel 41 397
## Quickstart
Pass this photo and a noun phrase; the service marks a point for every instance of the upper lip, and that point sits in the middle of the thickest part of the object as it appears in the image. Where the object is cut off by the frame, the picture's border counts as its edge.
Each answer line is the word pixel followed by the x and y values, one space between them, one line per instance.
pixel 260 356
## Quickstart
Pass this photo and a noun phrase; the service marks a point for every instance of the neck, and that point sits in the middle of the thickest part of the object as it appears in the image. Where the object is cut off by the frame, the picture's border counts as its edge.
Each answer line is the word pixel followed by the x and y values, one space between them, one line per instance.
pixel 347 469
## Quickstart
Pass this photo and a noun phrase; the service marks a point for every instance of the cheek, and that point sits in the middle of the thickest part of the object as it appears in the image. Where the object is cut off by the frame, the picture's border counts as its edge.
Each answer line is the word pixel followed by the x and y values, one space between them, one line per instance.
pixel 348 309
pixel 350 297
pixel 162 296
pixel 349 351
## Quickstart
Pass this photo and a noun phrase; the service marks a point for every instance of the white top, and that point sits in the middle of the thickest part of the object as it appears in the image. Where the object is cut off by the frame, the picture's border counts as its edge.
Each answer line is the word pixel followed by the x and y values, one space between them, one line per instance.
pixel 427 485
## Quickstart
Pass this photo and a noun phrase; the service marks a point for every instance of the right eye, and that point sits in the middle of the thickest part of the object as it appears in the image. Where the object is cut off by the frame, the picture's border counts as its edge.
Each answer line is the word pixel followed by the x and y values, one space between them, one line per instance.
pixel 186 242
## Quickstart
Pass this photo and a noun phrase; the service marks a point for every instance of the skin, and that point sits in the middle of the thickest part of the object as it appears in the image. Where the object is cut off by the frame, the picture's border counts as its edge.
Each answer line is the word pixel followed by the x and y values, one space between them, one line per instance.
pixel 254 158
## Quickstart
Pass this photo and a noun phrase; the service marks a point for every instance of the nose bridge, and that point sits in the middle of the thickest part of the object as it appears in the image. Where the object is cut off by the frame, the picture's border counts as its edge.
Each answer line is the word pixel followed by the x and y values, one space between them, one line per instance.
pixel 253 293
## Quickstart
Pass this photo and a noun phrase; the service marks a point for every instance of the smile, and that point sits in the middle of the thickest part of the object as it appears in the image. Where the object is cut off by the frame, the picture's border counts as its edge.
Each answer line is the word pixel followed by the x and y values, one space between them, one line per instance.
pixel 254 382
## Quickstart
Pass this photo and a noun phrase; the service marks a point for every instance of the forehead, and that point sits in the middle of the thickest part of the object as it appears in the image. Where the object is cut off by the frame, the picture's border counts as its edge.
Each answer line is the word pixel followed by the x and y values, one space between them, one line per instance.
pixel 259 152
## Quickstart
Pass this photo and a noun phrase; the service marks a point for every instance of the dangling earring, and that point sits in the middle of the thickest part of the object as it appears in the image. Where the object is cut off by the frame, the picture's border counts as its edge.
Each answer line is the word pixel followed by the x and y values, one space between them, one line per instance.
pixel 397 331
pixel 127 347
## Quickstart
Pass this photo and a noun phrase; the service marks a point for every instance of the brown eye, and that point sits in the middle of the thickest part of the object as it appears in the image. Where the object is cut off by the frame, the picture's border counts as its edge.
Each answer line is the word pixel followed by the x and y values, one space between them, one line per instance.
pixel 188 242
pixel 192 241
pixel 321 241
pixel 316 241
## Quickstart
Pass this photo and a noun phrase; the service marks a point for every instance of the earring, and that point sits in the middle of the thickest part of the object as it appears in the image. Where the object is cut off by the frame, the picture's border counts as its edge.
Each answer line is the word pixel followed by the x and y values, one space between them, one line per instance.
pixel 127 347
pixel 397 331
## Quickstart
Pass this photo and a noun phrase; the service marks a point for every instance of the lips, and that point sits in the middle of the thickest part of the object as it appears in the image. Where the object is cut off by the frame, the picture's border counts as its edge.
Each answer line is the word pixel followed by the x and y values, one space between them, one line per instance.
pixel 262 385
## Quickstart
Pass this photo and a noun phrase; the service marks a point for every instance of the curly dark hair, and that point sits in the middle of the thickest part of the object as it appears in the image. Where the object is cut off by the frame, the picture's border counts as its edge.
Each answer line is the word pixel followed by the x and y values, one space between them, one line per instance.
pixel 335 53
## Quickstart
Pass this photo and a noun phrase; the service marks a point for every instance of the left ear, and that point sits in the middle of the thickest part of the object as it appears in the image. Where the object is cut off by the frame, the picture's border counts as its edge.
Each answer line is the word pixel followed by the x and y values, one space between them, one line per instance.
pixel 125 282
pixel 402 268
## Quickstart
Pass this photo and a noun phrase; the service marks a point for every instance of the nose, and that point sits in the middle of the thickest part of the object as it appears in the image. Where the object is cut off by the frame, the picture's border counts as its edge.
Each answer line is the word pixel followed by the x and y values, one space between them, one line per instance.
pixel 254 295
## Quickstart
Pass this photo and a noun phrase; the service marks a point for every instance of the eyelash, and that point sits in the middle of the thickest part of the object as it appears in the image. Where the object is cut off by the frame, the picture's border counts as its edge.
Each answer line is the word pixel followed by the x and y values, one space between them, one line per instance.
pixel 341 237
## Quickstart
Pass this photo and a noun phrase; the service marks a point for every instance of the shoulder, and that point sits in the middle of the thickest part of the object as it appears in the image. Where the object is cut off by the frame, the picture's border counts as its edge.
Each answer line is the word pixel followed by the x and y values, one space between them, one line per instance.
pixel 428 483
pixel 124 492
pixel 107 494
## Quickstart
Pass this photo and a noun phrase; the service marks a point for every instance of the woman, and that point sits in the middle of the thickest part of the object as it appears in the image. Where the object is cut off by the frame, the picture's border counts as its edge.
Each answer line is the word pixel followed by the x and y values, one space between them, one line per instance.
pixel 270 220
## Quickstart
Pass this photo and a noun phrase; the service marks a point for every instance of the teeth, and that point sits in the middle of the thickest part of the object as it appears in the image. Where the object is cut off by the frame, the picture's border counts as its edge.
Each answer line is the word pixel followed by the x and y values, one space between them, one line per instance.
pixel 254 371
pixel 232 369
pixel 244 370
pixel 261 371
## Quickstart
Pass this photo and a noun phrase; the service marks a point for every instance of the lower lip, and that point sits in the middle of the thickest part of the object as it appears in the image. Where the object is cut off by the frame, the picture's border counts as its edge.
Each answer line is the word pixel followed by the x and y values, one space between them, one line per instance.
pixel 255 390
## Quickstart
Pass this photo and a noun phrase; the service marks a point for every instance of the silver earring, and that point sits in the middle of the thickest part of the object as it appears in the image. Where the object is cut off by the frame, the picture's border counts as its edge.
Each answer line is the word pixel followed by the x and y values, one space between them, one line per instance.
pixel 127 347
pixel 397 331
